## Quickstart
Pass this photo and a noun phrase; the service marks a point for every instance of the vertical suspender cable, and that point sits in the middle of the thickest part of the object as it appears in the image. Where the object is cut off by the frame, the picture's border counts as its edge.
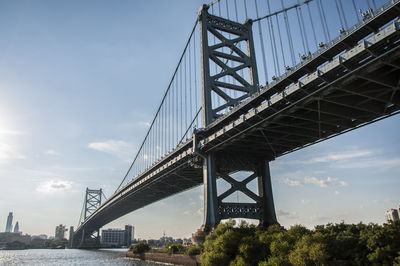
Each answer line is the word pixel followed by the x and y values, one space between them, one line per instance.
pixel 262 45
pixel 324 18
pixel 180 105
pixel 344 15
pixel 190 82
pixel 185 101
pixel 289 35
pixel 322 21
pixel 273 42
pixel 304 27
pixel 236 11
pixel 340 16
pixel 280 41
pixel 176 118
pixel 312 25
pixel 355 10
pixel 369 5
pixel 245 9
pixel 301 31
pixel 195 73
pixel 373 2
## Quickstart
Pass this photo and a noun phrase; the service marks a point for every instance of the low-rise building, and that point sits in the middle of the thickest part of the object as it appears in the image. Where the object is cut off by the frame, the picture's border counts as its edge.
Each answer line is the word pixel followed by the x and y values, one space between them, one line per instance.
pixel 113 238
pixel 392 215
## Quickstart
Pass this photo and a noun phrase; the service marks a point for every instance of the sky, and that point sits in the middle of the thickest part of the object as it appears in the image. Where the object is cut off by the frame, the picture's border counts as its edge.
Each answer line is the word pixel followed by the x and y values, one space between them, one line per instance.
pixel 81 80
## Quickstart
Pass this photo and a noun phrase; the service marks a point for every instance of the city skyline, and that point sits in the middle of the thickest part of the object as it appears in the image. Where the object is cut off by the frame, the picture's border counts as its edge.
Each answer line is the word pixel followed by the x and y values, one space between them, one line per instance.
pixel 78 93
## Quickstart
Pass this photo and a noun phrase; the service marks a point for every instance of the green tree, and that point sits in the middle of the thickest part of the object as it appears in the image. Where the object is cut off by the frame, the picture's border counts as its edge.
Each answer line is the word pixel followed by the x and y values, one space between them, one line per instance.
pixel 140 248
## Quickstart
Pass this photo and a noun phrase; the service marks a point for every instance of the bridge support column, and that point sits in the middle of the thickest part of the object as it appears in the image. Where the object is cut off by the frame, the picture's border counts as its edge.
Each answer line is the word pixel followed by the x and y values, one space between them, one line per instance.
pixel 217 208
pixel 268 216
pixel 211 218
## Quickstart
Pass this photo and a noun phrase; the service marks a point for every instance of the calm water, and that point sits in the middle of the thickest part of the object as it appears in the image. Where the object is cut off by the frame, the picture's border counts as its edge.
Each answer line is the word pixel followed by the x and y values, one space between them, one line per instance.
pixel 67 257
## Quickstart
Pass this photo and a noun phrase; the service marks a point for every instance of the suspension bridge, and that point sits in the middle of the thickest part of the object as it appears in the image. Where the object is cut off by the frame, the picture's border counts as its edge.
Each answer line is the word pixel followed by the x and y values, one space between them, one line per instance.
pixel 257 80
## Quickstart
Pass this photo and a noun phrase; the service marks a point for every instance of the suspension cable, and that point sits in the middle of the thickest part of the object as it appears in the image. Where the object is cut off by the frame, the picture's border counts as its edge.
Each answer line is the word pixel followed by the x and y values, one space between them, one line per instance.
pixel 282 10
pixel 340 16
pixel 159 107
pixel 312 25
pixel 304 28
pixel 322 21
pixel 344 15
pixel 301 31
pixel 280 41
pixel 273 43
pixel 289 35
pixel 262 45
pixel 355 10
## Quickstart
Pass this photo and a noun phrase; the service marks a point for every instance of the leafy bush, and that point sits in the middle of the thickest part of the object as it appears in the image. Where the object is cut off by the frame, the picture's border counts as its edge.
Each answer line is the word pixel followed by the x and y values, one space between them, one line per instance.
pixel 176 249
pixel 193 251
pixel 140 248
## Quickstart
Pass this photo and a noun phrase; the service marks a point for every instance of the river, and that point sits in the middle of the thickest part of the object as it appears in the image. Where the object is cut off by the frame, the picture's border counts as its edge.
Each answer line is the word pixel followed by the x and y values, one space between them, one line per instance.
pixel 68 257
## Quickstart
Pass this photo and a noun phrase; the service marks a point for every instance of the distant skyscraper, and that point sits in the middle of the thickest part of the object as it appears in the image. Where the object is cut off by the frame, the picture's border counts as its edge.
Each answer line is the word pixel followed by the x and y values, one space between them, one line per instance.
pixel 392 215
pixel 16 228
pixel 60 232
pixel 9 222
pixel 71 235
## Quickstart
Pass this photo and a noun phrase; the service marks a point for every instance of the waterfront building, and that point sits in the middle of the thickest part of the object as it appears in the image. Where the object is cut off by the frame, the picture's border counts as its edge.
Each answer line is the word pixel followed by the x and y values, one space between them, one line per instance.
pixel 60 232
pixel 42 236
pixel 392 215
pixel 113 238
pixel 9 222
pixel 129 234
pixel 18 241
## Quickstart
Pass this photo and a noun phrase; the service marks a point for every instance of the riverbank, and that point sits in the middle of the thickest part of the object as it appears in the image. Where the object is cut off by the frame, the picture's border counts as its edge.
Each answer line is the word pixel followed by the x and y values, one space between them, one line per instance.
pixel 166 258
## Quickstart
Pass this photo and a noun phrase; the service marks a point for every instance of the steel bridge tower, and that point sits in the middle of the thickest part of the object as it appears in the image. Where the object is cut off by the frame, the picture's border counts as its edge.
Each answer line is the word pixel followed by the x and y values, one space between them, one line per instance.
pixel 232 86
pixel 92 201
pixel 90 238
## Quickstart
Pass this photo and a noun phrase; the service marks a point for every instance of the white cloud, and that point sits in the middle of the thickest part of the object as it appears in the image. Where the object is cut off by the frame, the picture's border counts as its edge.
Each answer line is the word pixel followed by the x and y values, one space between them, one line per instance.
pixel 340 156
pixel 375 163
pixel 51 152
pixel 292 183
pixel 337 192
pixel 118 148
pixel 328 182
pixel 51 186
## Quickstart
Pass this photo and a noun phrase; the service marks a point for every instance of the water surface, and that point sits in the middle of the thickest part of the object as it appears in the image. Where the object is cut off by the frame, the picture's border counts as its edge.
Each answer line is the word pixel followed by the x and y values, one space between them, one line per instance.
pixel 68 257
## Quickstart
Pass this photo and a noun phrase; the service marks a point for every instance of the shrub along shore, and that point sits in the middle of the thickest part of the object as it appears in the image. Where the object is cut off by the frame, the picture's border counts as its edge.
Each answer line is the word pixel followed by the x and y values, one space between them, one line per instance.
pixel 331 244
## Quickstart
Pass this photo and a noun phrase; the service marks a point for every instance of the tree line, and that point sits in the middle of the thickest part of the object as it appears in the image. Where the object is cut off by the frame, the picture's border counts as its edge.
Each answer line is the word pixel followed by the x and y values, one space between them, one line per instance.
pixel 331 244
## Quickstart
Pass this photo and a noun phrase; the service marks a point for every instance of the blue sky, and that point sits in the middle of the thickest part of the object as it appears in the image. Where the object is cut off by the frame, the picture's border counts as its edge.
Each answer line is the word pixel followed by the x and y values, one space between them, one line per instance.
pixel 81 80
